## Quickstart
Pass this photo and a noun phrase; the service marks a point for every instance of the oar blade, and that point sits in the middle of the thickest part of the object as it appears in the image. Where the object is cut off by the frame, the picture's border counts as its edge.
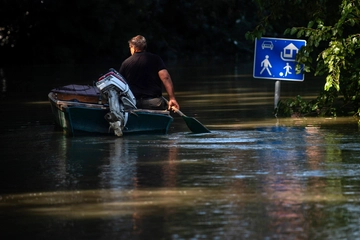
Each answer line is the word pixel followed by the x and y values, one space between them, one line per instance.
pixel 194 125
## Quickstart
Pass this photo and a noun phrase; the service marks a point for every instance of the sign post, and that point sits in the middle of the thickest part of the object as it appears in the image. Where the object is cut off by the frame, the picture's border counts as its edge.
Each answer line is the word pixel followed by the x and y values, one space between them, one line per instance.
pixel 275 59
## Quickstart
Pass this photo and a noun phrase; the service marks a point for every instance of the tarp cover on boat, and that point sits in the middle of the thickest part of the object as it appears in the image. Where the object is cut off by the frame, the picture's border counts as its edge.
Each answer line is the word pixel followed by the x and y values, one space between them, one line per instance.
pixel 81 93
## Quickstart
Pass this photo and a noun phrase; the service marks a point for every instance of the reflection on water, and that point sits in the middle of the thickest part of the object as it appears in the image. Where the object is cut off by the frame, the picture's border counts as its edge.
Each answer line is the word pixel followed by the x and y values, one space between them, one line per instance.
pixel 269 182
pixel 252 177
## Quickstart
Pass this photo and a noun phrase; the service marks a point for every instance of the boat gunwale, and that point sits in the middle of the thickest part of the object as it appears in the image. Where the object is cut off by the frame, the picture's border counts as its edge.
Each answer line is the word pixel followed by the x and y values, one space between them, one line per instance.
pixel 66 104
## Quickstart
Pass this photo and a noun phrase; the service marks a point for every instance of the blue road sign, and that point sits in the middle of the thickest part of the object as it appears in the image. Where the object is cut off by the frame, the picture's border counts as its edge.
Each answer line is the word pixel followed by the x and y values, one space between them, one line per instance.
pixel 275 59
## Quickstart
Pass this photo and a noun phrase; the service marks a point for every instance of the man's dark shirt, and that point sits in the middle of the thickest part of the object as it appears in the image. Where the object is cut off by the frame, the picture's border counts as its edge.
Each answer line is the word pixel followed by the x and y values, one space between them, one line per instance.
pixel 141 73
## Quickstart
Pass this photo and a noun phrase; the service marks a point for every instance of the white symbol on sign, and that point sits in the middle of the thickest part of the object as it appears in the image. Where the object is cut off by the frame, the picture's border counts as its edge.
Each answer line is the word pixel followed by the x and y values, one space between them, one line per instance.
pixel 267 44
pixel 266 64
pixel 289 53
pixel 287 69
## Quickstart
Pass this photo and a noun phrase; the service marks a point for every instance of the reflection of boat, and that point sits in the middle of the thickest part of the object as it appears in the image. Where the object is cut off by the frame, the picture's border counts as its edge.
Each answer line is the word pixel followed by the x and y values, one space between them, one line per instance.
pixel 105 108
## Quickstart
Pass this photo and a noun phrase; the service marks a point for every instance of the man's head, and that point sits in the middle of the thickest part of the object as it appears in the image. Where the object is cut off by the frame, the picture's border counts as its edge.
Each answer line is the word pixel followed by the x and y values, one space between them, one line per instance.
pixel 137 44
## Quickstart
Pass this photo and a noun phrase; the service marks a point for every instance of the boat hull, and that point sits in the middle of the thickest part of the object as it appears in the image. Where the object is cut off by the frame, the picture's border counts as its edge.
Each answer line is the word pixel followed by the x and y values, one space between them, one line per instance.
pixel 77 118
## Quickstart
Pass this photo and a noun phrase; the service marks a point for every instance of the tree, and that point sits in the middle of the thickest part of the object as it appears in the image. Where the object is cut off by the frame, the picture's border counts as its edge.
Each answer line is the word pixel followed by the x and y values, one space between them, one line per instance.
pixel 78 31
pixel 332 32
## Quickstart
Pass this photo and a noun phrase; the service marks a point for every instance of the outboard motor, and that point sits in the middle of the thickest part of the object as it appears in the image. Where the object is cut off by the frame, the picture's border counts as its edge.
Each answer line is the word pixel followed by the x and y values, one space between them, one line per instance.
pixel 120 98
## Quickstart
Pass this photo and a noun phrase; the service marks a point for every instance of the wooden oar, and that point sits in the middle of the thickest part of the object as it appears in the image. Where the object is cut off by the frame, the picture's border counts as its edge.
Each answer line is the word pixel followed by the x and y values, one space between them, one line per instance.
pixel 193 124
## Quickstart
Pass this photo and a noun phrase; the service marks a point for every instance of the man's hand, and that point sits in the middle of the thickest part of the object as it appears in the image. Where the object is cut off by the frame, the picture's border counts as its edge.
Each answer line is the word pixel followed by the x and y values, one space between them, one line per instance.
pixel 173 105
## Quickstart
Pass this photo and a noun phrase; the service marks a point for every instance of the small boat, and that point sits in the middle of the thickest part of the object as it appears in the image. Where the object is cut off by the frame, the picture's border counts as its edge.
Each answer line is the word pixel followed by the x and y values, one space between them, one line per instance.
pixel 107 108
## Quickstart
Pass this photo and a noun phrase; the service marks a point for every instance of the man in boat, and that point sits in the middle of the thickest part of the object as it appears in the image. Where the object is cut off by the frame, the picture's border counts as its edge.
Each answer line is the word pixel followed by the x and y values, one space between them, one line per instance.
pixel 145 73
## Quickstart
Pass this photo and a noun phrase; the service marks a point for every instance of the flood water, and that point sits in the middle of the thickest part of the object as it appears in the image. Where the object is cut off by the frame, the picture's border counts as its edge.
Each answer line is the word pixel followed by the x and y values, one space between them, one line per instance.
pixel 253 177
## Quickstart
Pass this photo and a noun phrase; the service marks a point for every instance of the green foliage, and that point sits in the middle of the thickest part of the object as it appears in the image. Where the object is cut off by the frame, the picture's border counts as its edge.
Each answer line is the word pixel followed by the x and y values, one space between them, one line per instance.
pixel 324 105
pixel 332 34
pixel 294 107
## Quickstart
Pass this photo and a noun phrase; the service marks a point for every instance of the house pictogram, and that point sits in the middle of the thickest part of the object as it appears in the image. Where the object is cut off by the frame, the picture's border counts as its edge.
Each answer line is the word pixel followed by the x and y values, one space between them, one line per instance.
pixel 289 53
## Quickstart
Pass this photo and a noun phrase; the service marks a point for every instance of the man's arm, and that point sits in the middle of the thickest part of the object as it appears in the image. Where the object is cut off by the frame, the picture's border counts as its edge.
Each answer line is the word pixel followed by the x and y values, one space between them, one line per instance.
pixel 168 84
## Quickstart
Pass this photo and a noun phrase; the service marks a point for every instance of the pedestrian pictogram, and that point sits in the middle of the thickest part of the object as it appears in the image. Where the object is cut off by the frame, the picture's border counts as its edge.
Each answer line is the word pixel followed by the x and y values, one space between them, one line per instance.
pixel 275 58
pixel 265 64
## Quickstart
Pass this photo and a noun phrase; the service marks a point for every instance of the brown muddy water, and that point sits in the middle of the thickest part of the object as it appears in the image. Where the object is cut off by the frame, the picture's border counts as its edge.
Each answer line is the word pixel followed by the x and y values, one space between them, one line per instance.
pixel 253 177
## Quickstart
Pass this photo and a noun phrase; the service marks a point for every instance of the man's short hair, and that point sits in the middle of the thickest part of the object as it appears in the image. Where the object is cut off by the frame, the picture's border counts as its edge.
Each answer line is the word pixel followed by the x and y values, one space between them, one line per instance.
pixel 139 42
